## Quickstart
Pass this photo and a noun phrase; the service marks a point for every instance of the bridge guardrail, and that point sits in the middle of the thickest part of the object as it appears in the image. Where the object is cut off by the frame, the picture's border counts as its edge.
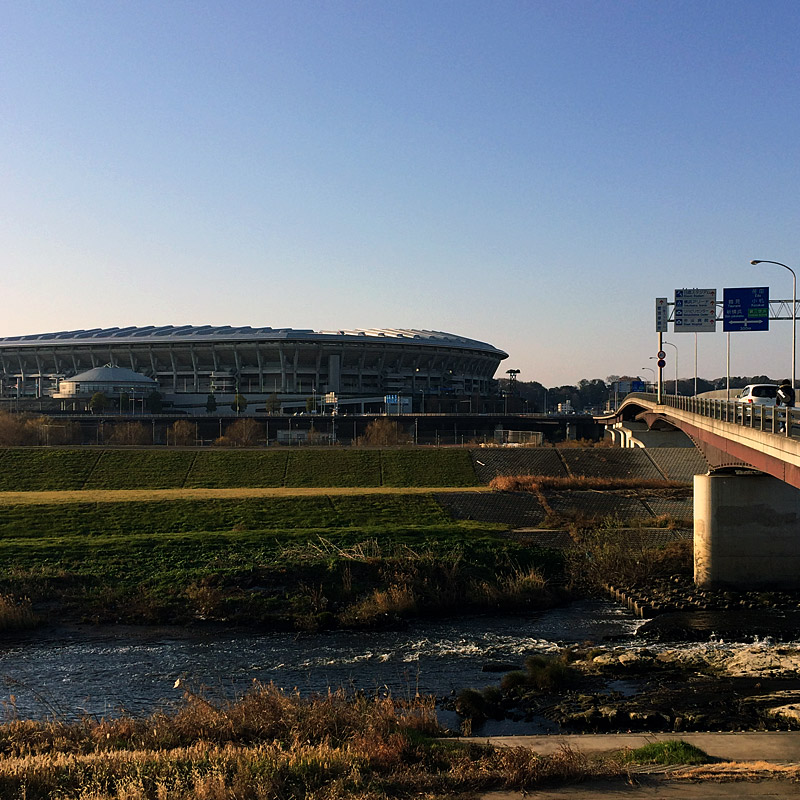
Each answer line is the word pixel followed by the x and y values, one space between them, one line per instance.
pixel 767 418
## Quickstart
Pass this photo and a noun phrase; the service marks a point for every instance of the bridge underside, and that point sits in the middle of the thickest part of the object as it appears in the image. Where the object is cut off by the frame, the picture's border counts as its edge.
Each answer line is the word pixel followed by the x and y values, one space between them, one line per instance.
pixel 725 453
pixel 746 510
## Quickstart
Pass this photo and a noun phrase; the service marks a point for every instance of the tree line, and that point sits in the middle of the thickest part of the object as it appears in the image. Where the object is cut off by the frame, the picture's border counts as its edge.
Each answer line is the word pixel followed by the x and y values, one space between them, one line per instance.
pixel 595 394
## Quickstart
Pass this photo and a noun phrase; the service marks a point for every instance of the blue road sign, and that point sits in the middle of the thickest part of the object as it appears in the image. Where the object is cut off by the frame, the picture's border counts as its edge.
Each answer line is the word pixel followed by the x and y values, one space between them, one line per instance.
pixel 745 309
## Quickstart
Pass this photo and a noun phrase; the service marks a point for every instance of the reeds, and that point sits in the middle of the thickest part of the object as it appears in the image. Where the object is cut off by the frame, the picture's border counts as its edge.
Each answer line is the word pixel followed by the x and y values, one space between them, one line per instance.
pixel 16 614
pixel 535 483
pixel 268 744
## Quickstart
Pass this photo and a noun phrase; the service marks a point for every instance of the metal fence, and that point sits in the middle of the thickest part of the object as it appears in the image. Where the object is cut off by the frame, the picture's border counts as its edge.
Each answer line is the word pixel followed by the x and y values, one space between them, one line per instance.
pixel 767 418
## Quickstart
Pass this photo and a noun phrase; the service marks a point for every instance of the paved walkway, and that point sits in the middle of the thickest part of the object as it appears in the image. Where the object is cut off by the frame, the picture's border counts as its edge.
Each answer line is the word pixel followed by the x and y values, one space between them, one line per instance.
pixel 775 746
pixel 782 748
pixel 655 789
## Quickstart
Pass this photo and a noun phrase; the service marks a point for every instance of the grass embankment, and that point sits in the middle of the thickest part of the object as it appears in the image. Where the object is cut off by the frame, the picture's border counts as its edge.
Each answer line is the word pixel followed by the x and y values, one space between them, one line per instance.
pixel 305 562
pixel 270 744
pixel 27 469
pixel 302 562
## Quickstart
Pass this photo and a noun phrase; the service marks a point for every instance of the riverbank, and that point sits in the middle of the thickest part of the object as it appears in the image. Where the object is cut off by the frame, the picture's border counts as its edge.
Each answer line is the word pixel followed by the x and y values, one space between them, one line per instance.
pixel 654 688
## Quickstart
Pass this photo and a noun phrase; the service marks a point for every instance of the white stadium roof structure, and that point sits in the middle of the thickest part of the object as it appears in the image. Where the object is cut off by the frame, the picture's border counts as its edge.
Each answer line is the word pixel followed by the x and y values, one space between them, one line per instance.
pixel 200 359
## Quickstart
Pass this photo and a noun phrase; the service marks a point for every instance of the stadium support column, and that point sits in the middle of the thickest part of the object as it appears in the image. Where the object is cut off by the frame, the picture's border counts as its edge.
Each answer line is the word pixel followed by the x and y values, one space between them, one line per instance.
pixel 282 356
pixel 334 372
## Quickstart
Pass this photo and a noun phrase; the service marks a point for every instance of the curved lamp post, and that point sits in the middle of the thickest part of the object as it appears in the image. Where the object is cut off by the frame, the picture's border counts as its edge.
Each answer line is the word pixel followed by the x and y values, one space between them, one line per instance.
pixel 654 375
pixel 676 364
pixel 794 311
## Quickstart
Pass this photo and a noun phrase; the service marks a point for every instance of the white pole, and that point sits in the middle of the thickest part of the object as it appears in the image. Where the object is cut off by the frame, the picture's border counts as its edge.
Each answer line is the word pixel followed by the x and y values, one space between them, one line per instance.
pixel 728 367
pixel 794 313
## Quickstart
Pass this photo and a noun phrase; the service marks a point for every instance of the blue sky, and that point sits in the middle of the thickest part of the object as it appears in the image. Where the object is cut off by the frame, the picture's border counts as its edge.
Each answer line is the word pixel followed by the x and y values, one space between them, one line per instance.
pixel 531 174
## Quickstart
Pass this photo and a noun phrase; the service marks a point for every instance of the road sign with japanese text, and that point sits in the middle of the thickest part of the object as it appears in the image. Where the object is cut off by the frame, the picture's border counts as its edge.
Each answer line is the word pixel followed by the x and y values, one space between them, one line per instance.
pixel 745 309
pixel 695 311
pixel 662 314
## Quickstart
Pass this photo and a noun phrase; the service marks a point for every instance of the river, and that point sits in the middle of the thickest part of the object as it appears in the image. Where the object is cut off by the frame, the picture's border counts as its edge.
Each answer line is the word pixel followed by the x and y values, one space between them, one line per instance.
pixel 108 671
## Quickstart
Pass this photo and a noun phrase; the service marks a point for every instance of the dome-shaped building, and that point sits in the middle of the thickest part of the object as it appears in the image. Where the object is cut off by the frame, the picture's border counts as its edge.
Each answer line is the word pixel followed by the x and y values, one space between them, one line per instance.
pixel 110 379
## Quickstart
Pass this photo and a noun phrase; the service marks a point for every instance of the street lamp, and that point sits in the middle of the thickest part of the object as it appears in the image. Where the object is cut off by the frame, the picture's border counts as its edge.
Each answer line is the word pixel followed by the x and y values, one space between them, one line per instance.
pixel 654 374
pixel 794 311
pixel 676 364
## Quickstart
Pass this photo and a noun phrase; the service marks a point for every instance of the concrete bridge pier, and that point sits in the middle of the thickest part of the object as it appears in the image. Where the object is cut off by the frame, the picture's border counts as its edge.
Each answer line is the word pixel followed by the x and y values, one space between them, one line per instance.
pixel 746 532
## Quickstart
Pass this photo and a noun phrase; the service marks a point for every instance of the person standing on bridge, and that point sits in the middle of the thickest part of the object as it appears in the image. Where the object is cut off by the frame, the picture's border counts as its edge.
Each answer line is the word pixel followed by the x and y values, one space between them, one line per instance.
pixel 785 396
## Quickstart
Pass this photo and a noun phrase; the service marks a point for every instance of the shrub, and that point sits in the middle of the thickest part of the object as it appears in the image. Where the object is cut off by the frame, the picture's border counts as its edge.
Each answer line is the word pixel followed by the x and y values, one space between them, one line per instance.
pixel 17 429
pixel 547 673
pixel 182 433
pixel 383 432
pixel 242 433
pixel 601 556
pixel 130 433
pixel 470 703
pixel 16 614
pixel 512 680
pixel 673 751
pixel 534 483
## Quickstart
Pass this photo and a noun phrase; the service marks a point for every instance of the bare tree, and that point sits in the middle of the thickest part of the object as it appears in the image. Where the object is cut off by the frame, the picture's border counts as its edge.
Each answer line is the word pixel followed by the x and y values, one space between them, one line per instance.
pixel 382 432
pixel 242 433
pixel 182 433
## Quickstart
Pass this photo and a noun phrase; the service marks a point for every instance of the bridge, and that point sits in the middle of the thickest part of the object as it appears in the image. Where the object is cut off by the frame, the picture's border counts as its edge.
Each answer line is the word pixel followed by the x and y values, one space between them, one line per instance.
pixel 747 508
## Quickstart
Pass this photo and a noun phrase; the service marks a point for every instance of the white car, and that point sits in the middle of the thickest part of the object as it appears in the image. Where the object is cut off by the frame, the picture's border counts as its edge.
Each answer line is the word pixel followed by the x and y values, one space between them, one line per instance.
pixel 759 394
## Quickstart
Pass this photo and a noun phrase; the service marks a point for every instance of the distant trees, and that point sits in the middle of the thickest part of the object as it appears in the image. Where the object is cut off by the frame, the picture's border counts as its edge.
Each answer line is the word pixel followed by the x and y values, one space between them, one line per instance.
pixel 130 433
pixel 239 403
pixel 383 432
pixel 182 433
pixel 595 393
pixel 273 403
pixel 242 433
pixel 98 403
pixel 211 404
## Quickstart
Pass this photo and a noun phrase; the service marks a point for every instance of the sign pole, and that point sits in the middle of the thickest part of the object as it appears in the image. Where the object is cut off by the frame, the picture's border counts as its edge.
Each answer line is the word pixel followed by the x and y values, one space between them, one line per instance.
pixel 728 368
pixel 660 370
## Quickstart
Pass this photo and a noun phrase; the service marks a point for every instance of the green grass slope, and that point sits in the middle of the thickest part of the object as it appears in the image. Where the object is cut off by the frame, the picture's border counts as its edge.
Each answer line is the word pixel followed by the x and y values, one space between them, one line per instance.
pixel 33 469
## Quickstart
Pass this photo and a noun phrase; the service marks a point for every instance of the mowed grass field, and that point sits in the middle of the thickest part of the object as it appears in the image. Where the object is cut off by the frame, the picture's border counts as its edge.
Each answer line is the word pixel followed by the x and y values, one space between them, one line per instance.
pixel 32 469
pixel 305 539
pixel 304 562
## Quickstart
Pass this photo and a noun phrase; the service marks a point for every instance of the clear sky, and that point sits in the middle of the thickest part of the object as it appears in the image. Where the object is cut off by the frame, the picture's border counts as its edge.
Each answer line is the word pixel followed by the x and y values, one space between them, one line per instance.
pixel 530 174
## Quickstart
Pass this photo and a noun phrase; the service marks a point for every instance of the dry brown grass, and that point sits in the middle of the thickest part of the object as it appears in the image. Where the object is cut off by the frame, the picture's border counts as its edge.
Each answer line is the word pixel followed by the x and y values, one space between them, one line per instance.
pixel 133 495
pixel 535 483
pixel 16 614
pixel 270 744
pixel 738 771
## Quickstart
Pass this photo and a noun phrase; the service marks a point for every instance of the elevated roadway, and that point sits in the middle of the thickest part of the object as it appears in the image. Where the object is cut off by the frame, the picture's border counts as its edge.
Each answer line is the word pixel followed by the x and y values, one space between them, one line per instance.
pixel 747 508
pixel 729 434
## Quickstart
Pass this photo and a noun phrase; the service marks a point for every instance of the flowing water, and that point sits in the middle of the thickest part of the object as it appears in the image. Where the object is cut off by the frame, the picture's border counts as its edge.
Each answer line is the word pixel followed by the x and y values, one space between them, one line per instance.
pixel 107 671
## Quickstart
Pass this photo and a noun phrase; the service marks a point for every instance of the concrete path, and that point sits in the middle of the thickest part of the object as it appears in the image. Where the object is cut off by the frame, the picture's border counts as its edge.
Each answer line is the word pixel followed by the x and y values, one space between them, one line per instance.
pixel 774 746
pixel 780 748
pixel 655 789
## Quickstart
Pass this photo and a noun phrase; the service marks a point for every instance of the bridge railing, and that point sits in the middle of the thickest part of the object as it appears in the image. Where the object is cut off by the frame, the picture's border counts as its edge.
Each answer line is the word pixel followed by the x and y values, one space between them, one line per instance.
pixel 768 418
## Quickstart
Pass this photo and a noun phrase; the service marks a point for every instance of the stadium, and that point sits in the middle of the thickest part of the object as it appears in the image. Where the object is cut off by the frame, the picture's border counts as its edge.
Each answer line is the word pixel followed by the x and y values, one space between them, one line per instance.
pixel 189 362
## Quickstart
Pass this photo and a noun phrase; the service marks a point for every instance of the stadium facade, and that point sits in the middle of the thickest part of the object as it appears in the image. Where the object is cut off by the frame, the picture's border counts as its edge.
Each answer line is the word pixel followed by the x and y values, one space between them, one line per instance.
pixel 197 360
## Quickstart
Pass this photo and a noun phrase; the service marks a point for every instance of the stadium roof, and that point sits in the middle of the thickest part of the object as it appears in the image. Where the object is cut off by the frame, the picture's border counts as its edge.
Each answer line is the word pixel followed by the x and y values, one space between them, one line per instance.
pixel 189 333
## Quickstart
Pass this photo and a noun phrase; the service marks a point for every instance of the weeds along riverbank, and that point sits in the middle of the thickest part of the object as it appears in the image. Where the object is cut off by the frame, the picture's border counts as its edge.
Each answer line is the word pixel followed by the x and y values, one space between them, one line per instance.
pixel 305 563
pixel 271 744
